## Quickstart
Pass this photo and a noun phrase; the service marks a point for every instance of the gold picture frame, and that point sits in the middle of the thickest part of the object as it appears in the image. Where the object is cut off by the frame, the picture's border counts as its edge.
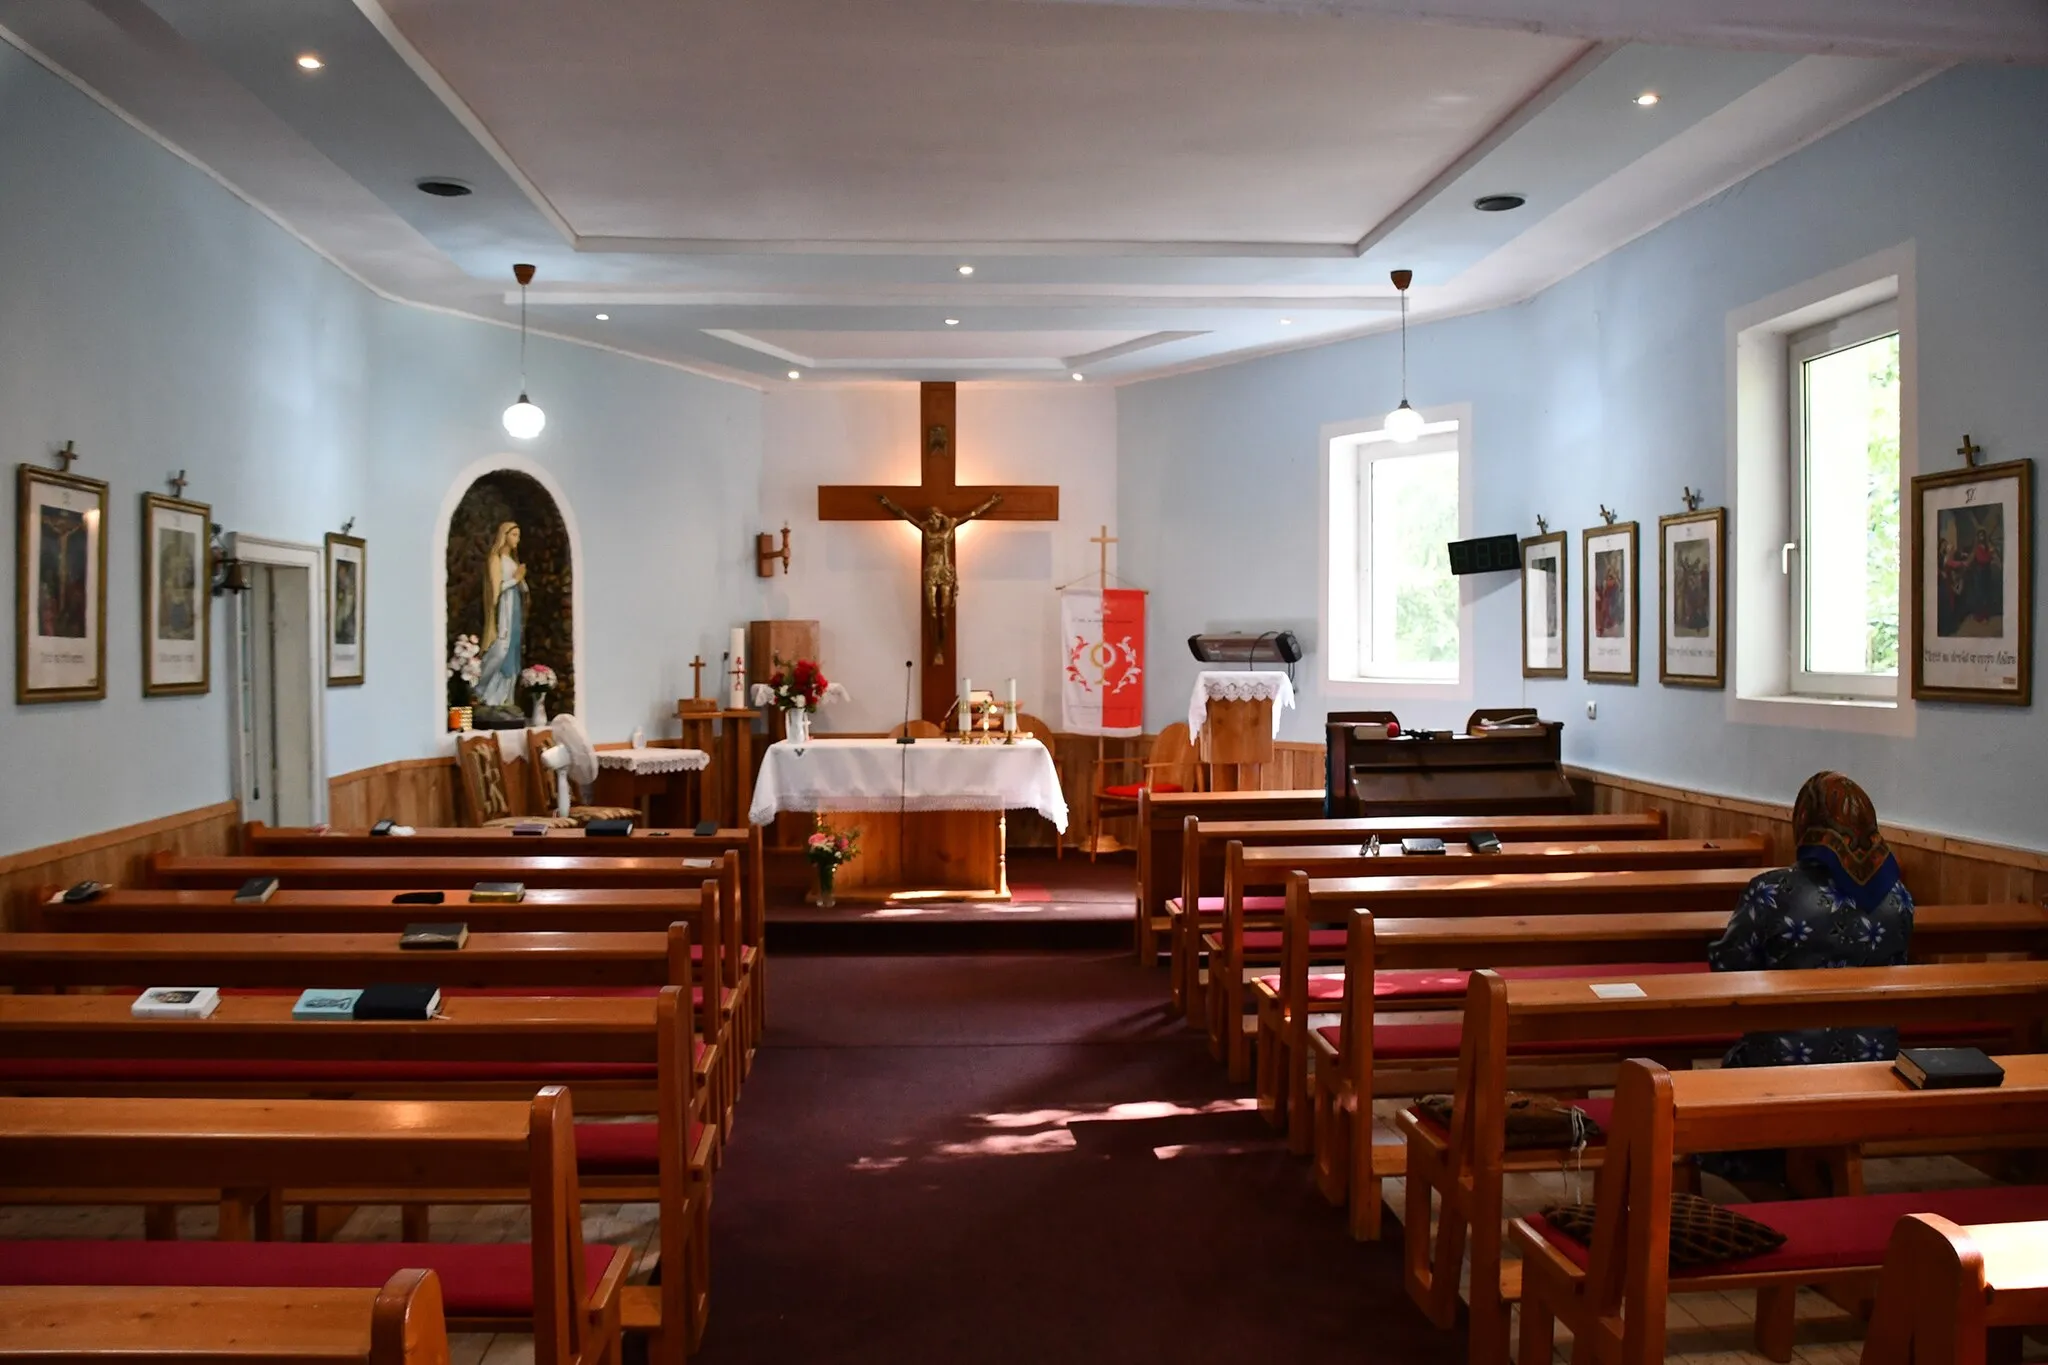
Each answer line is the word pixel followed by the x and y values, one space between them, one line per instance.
pixel 1553 596
pixel 1692 603
pixel 345 614
pixel 176 615
pixel 60 587
pixel 1969 644
pixel 1612 598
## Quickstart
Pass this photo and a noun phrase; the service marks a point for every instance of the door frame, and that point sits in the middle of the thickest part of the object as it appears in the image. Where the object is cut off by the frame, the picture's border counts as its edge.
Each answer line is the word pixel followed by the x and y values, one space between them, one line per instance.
pixel 293 555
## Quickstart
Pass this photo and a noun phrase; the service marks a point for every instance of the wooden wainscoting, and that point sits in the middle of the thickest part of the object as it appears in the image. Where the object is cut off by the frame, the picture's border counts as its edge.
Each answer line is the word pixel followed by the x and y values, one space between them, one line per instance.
pixel 117 856
pixel 1939 868
pixel 411 791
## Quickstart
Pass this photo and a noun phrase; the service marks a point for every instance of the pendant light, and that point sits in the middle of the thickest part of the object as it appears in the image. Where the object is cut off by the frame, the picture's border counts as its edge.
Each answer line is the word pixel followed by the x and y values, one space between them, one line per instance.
pixel 1404 423
pixel 524 419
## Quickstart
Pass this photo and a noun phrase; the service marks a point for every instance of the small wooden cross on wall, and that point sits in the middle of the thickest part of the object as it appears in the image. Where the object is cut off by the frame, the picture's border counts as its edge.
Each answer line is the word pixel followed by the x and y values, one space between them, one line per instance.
pixel 1692 499
pixel 66 456
pixel 1969 450
pixel 1542 527
pixel 177 484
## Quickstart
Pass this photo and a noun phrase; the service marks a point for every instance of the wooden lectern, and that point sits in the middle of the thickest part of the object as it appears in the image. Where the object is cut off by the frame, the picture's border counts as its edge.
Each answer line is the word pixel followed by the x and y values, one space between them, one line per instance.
pixel 1237 743
pixel 726 788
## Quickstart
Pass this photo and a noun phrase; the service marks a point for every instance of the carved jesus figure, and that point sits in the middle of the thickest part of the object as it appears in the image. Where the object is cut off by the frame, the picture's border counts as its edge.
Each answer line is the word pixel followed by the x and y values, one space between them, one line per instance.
pixel 941 577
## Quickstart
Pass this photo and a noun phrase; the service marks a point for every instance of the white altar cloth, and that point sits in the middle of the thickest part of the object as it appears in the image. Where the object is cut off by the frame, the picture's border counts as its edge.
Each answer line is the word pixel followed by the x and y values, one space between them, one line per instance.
pixel 652 762
pixel 1244 684
pixel 932 774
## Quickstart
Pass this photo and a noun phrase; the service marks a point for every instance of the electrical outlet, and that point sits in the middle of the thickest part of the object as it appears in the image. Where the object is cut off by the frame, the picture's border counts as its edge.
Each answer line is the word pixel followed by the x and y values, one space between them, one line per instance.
pixel 1592 710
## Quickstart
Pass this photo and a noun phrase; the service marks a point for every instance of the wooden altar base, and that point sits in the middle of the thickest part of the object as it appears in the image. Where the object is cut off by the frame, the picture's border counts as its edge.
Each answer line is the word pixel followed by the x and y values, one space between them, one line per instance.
pixel 909 857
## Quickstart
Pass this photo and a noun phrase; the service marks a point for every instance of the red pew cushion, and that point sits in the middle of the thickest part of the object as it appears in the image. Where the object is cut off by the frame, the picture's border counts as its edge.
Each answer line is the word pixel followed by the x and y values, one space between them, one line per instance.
pixel 1437 983
pixel 1270 941
pixel 624 1148
pixel 1410 1042
pixel 1850 1232
pixel 477 1280
pixel 180 1070
pixel 1213 905
pixel 1128 791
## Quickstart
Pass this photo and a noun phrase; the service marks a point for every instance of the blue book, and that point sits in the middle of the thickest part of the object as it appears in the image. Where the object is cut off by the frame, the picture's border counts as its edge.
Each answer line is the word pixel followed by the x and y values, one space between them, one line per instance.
pixel 326 1004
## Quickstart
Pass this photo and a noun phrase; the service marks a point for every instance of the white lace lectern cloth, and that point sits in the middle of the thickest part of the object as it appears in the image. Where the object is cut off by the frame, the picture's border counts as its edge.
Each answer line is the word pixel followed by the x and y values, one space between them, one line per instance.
pixel 650 762
pixel 932 774
pixel 1242 685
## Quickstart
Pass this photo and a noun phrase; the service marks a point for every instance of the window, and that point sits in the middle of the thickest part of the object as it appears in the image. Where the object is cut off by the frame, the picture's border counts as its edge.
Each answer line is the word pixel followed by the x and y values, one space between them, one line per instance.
pixel 1842 560
pixel 1394 610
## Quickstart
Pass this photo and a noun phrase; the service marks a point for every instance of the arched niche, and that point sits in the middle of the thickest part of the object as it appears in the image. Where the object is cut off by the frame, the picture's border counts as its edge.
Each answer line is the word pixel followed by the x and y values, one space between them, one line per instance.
pixel 540 556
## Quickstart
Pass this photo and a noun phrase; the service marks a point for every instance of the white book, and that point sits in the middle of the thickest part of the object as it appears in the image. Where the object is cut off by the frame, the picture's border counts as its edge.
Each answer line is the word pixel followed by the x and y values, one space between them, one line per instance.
pixel 176 1002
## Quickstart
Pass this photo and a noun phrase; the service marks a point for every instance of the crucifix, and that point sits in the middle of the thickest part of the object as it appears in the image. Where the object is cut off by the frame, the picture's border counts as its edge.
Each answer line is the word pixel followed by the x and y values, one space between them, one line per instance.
pixel 938 506
pixel 177 486
pixel 67 455
pixel 1969 450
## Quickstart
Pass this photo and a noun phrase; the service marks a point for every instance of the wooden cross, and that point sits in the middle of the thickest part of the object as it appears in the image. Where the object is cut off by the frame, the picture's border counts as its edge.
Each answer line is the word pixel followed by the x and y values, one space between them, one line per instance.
pixel 1102 539
pixel 938 493
pixel 696 677
pixel 178 487
pixel 1969 450
pixel 67 455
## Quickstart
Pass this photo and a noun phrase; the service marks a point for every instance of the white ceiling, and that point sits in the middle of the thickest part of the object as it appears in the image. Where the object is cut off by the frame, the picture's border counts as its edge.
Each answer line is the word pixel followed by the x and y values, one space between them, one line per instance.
pixel 1142 186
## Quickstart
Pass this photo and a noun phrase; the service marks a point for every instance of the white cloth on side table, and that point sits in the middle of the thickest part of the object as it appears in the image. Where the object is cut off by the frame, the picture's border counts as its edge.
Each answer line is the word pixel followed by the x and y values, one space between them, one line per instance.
pixel 650 762
pixel 1262 684
pixel 932 774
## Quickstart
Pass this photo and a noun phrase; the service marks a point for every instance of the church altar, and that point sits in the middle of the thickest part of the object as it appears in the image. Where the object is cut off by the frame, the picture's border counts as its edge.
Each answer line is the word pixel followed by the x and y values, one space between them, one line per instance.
pixel 931 814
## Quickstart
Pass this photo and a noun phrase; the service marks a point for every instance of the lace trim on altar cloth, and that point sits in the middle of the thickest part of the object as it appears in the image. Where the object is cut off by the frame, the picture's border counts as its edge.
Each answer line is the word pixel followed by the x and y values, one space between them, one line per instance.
pixel 1249 687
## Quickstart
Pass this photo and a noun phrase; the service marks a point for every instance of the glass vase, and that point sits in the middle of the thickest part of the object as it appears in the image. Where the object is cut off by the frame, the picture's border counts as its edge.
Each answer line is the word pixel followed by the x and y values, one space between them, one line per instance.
pixel 826 874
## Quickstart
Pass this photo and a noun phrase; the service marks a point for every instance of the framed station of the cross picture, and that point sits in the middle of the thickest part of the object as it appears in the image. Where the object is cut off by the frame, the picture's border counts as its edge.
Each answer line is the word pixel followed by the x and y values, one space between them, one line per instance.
pixel 60 588
pixel 177 644
pixel 1973 579
pixel 1543 606
pixel 347 579
pixel 1609 624
pixel 1692 599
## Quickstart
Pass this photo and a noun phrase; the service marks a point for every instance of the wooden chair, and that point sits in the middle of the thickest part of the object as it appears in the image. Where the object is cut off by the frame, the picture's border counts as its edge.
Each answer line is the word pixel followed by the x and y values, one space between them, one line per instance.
pixel 1170 767
pixel 1031 725
pixel 917 729
pixel 1945 1290
pixel 486 788
pixel 401 1324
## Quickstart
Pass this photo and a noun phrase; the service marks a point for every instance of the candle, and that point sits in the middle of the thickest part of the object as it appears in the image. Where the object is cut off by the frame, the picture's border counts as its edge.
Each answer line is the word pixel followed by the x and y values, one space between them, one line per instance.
pixel 736 677
pixel 966 704
pixel 1010 711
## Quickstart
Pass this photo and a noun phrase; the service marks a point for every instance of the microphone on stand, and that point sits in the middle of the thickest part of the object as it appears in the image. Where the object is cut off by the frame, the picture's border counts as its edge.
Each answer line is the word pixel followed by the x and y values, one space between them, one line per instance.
pixel 909 677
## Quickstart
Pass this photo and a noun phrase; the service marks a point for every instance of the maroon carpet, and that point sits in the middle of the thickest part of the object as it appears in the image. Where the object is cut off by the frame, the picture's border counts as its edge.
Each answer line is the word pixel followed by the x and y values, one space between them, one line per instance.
pixel 1016 1158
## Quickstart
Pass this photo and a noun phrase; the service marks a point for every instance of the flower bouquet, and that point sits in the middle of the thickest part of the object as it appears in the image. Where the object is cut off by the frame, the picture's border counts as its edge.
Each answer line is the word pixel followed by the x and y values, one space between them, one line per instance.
pixel 465 666
pixel 797 690
pixel 827 849
pixel 539 680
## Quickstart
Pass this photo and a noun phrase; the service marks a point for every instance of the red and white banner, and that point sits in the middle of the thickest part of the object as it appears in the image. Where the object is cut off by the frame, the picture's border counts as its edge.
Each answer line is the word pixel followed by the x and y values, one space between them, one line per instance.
pixel 1104 634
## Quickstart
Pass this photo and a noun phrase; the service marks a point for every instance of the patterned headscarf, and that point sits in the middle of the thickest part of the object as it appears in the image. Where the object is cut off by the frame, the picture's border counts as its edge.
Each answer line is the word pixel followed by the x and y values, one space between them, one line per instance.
pixel 1836 829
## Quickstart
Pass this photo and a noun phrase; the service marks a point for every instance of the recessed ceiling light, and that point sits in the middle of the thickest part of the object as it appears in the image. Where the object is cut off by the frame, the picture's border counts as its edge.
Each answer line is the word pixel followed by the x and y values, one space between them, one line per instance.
pixel 796 374
pixel 1287 322
pixel 604 317
pixel 441 187
pixel 1078 376
pixel 1498 203
pixel 1646 99
pixel 310 61
pixel 967 270
pixel 952 322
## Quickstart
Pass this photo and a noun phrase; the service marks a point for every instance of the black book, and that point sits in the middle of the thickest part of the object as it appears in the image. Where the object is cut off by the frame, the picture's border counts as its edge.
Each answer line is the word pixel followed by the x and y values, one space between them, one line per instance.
pixel 1948 1068
pixel 607 828
pixel 256 890
pixel 1414 846
pixel 399 1000
pixel 420 898
pixel 434 936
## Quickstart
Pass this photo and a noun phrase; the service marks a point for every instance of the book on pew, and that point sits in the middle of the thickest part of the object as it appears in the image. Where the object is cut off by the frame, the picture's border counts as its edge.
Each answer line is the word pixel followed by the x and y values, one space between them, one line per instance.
pixel 420 898
pixel 1947 1068
pixel 497 893
pixel 399 1000
pixel 256 890
pixel 1418 846
pixel 434 936
pixel 176 1002
pixel 600 829
pixel 326 1004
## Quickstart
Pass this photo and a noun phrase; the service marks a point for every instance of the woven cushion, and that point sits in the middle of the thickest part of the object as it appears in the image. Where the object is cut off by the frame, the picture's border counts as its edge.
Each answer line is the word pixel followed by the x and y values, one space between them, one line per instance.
pixel 488 1280
pixel 583 815
pixel 1703 1233
pixel 1534 1121
pixel 549 821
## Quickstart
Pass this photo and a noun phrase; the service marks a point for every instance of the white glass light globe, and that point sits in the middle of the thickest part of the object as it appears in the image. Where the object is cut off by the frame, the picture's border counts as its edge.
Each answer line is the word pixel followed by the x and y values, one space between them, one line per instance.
pixel 524 420
pixel 1404 423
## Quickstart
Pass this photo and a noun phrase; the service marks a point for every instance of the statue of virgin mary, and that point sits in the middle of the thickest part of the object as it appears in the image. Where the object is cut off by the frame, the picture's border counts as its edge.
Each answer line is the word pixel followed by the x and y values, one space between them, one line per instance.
pixel 504 618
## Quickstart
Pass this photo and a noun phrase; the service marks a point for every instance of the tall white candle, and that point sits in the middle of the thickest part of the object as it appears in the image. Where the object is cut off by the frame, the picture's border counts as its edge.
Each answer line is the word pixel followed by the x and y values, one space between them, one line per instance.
pixel 736 677
pixel 966 704
pixel 1010 711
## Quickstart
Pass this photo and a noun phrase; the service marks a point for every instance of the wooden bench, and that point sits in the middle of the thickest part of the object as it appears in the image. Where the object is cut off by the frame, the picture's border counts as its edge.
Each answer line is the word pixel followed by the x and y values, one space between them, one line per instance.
pixel 562 1291
pixel 1672 1019
pixel 399 1324
pixel 623 1055
pixel 1161 816
pixel 1227 997
pixel 1612 1295
pixel 1945 1291
pixel 1204 840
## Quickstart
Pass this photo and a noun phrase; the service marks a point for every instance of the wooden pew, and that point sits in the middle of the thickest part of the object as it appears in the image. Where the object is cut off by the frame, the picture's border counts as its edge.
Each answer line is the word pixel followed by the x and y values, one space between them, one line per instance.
pixel 1204 841
pixel 400 1324
pixel 1945 1290
pixel 409 872
pixel 623 1055
pixel 529 963
pixel 1161 816
pixel 571 1298
pixel 1612 1295
pixel 148 909
pixel 1677 1017
pixel 1227 997
pixel 1402 951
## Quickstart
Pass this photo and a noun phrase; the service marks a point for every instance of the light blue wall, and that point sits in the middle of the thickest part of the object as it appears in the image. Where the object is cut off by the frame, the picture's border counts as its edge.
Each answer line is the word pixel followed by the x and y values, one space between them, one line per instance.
pixel 1612 387
pixel 160 322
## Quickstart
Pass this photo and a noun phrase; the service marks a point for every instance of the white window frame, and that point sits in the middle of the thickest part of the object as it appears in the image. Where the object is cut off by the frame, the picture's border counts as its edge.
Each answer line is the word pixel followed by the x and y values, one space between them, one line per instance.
pixel 1346 543
pixel 1762 408
pixel 1836 334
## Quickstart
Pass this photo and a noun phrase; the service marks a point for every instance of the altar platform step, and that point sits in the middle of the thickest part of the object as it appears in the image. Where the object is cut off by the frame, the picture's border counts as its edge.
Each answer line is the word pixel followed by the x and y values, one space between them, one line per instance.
pixel 1054 903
